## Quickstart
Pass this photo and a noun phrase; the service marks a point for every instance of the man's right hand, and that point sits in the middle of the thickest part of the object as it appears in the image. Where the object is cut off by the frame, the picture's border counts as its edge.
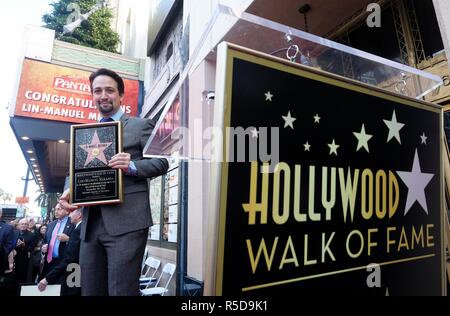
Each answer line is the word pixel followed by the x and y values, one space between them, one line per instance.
pixel 64 201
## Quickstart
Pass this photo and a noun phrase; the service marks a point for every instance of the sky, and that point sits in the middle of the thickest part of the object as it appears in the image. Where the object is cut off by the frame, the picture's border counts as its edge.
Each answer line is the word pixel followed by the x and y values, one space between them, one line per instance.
pixel 14 15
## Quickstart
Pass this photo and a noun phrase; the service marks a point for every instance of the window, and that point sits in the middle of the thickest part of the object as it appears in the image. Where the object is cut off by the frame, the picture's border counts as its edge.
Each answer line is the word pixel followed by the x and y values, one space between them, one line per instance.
pixel 429 27
pixel 171 206
pixel 169 52
pixel 168 46
pixel 155 206
pixel 164 192
pixel 447 126
pixel 368 39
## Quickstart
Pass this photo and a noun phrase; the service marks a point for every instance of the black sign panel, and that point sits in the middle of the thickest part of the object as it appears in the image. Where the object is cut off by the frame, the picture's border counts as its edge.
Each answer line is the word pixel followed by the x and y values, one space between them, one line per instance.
pixel 342 194
pixel 92 181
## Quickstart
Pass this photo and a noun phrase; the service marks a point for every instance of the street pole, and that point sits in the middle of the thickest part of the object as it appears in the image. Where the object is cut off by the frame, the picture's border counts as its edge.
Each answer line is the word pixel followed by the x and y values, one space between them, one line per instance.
pixel 26 179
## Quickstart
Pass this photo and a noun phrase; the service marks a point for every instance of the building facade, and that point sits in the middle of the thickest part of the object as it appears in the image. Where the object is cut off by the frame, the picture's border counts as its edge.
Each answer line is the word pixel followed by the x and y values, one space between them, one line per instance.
pixel 414 33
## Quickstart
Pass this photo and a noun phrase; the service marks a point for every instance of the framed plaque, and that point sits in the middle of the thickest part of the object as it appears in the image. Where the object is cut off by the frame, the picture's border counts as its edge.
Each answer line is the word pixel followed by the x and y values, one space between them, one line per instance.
pixel 92 181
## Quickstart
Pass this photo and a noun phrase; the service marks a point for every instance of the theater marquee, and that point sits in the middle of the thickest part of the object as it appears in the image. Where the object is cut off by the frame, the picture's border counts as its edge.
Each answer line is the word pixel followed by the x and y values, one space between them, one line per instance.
pixel 350 202
pixel 63 94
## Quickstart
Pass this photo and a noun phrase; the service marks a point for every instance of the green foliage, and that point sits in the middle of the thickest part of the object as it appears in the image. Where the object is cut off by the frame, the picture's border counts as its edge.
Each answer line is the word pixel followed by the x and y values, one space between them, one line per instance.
pixel 4 196
pixel 94 32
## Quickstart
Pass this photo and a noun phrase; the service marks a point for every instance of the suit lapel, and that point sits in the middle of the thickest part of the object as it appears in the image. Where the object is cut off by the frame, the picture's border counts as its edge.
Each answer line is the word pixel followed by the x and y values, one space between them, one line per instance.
pixel 124 119
pixel 67 228
pixel 50 229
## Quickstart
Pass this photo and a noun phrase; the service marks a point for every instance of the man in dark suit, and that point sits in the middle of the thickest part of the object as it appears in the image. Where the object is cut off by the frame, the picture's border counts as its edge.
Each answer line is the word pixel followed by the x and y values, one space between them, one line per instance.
pixel 24 246
pixel 6 243
pixel 114 236
pixel 55 240
pixel 8 286
pixel 59 274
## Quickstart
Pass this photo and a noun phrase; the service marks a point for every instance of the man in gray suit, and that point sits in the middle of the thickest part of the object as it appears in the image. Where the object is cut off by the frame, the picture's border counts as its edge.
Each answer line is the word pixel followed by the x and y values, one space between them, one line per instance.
pixel 114 236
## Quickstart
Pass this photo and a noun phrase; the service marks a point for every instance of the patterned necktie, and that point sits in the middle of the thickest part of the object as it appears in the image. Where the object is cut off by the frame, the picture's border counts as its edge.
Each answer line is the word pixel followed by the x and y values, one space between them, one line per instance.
pixel 52 242
pixel 106 119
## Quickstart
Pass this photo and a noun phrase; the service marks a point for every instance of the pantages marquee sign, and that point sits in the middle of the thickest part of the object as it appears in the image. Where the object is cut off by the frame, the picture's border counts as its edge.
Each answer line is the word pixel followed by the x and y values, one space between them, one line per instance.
pixel 58 93
pixel 353 204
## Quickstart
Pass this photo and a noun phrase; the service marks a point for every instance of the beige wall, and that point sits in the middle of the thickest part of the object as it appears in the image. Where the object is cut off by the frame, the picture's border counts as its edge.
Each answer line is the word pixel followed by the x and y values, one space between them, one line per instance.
pixel 202 79
pixel 131 22
pixel 200 13
pixel 200 112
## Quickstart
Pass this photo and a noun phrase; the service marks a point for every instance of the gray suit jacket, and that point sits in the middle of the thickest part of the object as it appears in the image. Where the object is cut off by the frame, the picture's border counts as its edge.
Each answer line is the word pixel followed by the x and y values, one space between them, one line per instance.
pixel 134 213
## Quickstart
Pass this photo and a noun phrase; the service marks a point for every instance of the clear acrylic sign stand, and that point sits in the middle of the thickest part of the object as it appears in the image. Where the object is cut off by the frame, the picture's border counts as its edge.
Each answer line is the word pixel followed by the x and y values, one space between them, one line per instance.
pixel 175 138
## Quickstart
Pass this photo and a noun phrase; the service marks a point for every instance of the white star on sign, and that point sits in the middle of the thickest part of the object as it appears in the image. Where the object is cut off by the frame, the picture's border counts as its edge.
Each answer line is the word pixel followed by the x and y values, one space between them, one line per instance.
pixel 317 119
pixel 269 96
pixel 416 181
pixel 289 120
pixel 333 148
pixel 307 146
pixel 255 133
pixel 424 139
pixel 363 139
pixel 394 128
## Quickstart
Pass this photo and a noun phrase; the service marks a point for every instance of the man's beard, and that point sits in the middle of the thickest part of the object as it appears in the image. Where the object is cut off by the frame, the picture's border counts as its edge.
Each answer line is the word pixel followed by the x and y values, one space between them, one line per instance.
pixel 107 110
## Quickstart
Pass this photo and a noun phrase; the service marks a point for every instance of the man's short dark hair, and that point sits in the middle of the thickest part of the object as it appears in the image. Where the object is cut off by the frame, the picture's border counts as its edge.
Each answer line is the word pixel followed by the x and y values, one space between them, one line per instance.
pixel 109 73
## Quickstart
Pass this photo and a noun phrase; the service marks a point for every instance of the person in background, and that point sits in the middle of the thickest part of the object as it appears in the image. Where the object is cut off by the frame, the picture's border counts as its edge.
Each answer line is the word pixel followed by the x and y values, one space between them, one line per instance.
pixel 6 244
pixel 24 247
pixel 14 223
pixel 31 225
pixel 36 260
pixel 8 286
pixel 59 274
pixel 56 238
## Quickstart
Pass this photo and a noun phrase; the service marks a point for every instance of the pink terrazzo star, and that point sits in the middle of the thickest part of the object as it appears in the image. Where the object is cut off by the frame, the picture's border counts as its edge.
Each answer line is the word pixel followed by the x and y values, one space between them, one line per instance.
pixel 95 150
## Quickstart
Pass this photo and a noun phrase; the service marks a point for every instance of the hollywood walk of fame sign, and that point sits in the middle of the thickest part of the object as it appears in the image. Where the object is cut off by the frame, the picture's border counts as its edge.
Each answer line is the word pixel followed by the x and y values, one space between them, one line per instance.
pixel 351 176
pixel 92 181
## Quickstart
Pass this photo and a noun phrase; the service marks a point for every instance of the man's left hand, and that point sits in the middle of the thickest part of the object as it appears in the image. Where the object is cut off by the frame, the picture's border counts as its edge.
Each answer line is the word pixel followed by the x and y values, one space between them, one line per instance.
pixel 120 161
pixel 42 285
